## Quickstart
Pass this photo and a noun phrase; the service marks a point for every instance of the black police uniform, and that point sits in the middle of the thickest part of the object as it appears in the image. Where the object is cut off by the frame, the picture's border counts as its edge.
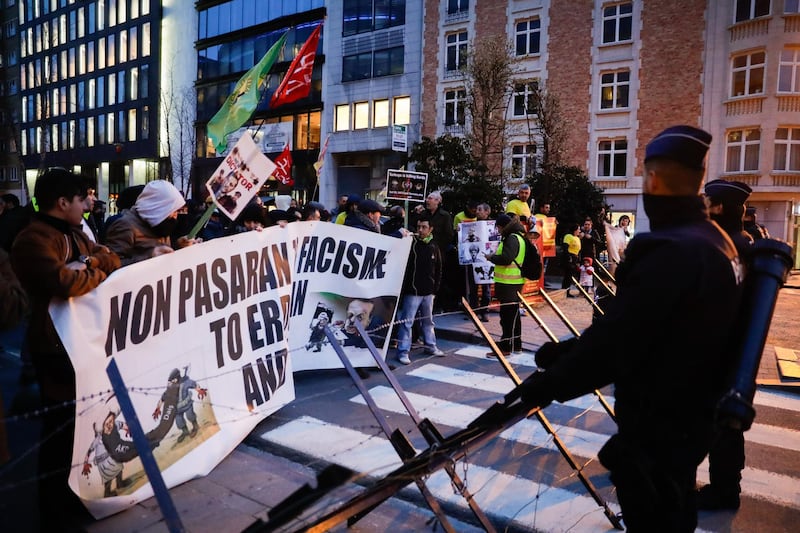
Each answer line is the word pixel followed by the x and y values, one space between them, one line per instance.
pixel 661 342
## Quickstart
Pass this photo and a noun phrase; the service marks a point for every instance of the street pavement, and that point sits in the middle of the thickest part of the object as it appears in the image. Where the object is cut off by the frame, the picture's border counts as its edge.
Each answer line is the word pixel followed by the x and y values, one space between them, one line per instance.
pixel 520 479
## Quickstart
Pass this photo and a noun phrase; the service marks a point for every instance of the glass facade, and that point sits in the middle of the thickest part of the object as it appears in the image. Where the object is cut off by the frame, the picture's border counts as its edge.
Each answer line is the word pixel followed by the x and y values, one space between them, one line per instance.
pixel 239 14
pixel 81 64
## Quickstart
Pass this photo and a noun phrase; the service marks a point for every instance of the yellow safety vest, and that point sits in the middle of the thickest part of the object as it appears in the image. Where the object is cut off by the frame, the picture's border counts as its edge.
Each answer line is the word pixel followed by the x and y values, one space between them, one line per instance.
pixel 510 274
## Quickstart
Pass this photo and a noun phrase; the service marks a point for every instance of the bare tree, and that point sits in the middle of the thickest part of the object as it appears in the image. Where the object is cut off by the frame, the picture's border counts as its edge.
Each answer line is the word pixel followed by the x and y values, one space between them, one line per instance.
pixel 547 125
pixel 179 137
pixel 488 81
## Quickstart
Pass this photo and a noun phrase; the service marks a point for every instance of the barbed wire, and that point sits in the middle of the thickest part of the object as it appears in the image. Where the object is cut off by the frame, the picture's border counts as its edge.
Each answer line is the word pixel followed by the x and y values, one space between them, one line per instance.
pixel 371 431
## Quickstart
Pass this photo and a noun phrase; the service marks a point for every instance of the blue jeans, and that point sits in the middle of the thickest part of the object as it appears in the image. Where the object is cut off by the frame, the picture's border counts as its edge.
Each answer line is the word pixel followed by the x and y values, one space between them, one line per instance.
pixel 407 313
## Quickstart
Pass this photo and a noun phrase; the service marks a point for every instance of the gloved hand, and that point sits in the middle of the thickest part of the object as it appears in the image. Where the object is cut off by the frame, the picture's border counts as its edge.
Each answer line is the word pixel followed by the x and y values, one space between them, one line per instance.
pixel 86 469
pixel 157 413
pixel 201 393
pixel 551 351
pixel 534 390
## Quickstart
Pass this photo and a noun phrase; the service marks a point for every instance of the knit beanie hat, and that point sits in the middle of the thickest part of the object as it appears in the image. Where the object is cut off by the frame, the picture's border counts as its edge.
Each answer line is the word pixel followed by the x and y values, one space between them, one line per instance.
pixel 283 201
pixel 157 201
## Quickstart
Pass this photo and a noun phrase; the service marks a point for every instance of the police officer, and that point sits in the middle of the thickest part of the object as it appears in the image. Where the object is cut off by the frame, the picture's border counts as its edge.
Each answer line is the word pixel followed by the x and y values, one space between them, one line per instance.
pixel 725 202
pixel 726 206
pixel 661 342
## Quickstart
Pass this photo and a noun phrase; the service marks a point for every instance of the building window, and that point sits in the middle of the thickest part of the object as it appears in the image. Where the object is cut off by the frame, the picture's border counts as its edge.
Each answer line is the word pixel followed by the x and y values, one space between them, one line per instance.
pixel 357 67
pixel 456 51
pixel 342 118
pixel 373 64
pixel 612 156
pixel 787 149
pixel 454 107
pixel 380 113
pixel 791 6
pixel 614 89
pixel 457 6
pixel 750 9
pixel 523 160
pixel 747 76
pixel 360 16
pixel 525 98
pixel 402 110
pixel 741 151
pixel 360 115
pixel 527 37
pixel 789 71
pixel 617 22
pixel 388 62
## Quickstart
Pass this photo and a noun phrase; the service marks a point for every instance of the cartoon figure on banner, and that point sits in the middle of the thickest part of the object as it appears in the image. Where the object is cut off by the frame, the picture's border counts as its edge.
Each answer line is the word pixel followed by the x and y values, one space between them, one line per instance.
pixel 108 467
pixel 322 317
pixel 484 273
pixel 185 406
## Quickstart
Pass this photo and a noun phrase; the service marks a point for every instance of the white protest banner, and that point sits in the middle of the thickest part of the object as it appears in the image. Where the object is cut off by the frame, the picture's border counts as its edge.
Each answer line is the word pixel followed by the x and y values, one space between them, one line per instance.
pixel 239 177
pixel 203 341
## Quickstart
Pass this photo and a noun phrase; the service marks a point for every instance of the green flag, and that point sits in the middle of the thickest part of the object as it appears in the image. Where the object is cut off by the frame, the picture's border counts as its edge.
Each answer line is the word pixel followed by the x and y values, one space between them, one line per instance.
pixel 243 100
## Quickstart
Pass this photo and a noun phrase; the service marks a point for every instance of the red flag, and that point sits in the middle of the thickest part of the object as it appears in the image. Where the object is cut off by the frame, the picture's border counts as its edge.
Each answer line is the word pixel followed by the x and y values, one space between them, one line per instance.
pixel 284 163
pixel 297 82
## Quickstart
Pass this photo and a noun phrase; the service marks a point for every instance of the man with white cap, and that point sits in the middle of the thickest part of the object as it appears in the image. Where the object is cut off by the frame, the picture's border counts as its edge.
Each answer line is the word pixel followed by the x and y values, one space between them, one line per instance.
pixel 144 231
pixel 662 342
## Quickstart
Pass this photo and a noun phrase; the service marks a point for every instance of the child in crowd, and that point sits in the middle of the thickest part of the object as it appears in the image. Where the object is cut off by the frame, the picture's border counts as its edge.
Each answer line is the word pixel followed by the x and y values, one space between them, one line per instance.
pixel 587 270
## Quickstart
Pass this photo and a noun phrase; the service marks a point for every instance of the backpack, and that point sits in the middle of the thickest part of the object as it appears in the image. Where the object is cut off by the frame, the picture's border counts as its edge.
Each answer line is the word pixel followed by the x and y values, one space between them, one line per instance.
pixel 531 267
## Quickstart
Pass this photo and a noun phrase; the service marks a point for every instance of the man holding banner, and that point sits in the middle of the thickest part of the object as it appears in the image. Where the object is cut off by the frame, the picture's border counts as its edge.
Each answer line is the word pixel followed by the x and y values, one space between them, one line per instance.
pixel 54 259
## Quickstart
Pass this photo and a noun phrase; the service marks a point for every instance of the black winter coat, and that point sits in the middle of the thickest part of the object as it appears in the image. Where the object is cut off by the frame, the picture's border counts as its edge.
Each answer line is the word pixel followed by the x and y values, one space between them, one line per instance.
pixel 424 269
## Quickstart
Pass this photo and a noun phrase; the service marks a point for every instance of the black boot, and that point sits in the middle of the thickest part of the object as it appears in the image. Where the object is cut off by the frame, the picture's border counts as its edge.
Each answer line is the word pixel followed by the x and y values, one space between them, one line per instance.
pixel 183 435
pixel 195 427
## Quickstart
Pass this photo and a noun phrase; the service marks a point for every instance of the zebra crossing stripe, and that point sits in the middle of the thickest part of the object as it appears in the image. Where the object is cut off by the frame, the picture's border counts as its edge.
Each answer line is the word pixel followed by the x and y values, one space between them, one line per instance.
pixel 760 433
pixel 489 383
pixel 361 452
pixel 479 352
pixel 536 506
pixel 530 432
pixel 756 483
pixel 507 496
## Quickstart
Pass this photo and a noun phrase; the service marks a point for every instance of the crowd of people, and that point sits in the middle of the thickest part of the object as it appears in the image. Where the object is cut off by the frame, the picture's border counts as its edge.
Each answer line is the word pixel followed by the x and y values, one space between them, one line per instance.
pixel 660 340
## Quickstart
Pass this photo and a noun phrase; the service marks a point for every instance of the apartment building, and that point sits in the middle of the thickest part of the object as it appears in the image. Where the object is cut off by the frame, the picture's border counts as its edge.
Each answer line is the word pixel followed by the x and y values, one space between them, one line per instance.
pixel 624 70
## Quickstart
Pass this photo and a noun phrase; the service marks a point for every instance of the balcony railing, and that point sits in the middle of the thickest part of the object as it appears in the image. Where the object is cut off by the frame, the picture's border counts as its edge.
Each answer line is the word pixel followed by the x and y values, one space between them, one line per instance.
pixel 791 23
pixel 786 180
pixel 749 28
pixel 745 106
pixel 610 183
pixel 749 179
pixel 788 103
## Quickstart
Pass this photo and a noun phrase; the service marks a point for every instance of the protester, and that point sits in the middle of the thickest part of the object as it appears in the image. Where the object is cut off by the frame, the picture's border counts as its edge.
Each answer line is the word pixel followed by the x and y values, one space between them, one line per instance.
pixel 591 243
pixel 508 281
pixel 421 281
pixel 340 206
pixel 125 201
pixel 87 222
pixel 350 206
pixel 252 218
pixel 570 256
pixel 54 259
pixel 12 219
pixel 519 205
pixel 469 214
pixel 367 216
pixel 586 274
pixel 144 231
pixel 13 305
pixel 725 201
pixel 662 342
pixel 395 225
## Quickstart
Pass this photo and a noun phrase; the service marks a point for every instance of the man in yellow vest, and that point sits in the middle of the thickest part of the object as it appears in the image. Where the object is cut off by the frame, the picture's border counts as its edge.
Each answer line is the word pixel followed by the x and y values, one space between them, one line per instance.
pixel 508 281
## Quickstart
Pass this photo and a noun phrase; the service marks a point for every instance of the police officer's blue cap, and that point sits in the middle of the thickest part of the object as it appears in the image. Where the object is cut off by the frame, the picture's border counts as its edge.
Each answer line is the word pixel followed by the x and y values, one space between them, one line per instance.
pixel 686 145
pixel 728 192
